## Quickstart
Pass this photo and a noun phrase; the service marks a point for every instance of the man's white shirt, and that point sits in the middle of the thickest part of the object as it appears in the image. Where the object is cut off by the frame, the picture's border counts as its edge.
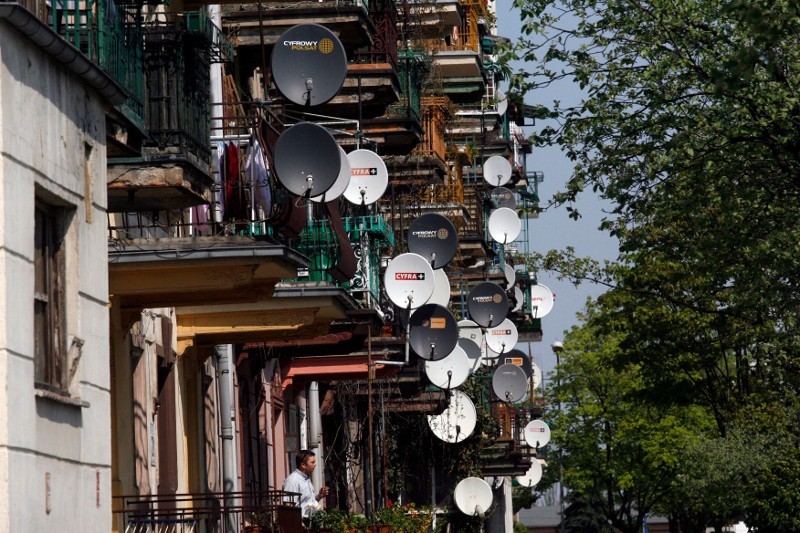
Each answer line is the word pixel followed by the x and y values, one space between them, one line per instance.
pixel 301 483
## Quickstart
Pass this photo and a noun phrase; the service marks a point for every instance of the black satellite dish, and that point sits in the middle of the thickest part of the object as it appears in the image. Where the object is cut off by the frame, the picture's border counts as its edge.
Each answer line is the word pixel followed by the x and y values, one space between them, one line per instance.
pixel 519 358
pixel 433 332
pixel 433 237
pixel 503 197
pixel 309 64
pixel 307 159
pixel 487 304
pixel 509 383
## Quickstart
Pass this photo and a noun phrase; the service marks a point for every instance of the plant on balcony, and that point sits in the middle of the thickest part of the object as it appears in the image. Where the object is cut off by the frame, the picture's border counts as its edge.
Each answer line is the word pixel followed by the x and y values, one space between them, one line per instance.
pixel 405 518
pixel 258 522
pixel 338 521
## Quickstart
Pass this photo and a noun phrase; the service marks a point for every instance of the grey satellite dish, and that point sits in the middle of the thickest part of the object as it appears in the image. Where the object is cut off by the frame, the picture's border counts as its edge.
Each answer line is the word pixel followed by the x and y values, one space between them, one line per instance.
pixel 503 197
pixel 473 353
pixel 433 332
pixel 503 337
pixel 487 304
pixel 502 101
pixel 536 375
pixel 309 64
pixel 434 237
pixel 473 496
pixel 532 476
pixel 519 299
pixel 537 433
pixel 450 372
pixel 368 177
pixel 504 225
pixel 307 159
pixel 519 358
pixel 509 383
pixel 441 288
pixel 496 171
pixel 342 180
pixel 467 329
pixel 457 422
pixel 408 281
pixel 541 301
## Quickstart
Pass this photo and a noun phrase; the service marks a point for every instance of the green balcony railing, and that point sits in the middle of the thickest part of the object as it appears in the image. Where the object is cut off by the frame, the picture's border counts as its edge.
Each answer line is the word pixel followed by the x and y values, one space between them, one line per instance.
pixel 413 66
pixel 111 37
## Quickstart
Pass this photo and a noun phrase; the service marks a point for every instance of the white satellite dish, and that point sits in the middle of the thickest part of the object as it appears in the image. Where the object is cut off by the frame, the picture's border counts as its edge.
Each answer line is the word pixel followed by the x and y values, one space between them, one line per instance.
pixel 467 329
pixel 473 352
pixel 441 288
pixel 502 101
pixel 542 300
pixel 409 280
pixel 473 496
pixel 503 337
pixel 504 225
pixel 519 299
pixel 532 476
pixel 511 275
pixel 537 433
pixel 341 183
pixel 457 422
pixel 536 375
pixel 368 177
pixel 450 372
pixel 497 171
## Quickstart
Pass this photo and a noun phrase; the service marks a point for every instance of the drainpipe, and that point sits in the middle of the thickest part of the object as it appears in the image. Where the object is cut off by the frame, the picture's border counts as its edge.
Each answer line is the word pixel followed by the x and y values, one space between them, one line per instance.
pixel 225 354
pixel 315 434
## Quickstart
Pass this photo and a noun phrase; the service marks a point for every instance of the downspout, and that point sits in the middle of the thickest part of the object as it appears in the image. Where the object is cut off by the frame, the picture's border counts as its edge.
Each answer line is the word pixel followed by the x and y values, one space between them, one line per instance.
pixel 315 434
pixel 225 354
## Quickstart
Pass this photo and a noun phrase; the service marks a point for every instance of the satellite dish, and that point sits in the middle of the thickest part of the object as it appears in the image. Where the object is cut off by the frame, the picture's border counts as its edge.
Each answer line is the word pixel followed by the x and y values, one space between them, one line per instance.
pixel 309 64
pixel 503 337
pixel 496 171
pixel 536 375
pixel 532 476
pixel 433 332
pixel 434 237
pixel 408 280
pixel 503 197
pixel 521 359
pixel 450 372
pixel 511 275
pixel 467 329
pixel 537 433
pixel 457 422
pixel 473 353
pixel 487 304
pixel 441 288
pixel 342 180
pixel 502 101
pixel 307 159
pixel 541 301
pixel 473 496
pixel 504 225
pixel 509 383
pixel 519 299
pixel 368 177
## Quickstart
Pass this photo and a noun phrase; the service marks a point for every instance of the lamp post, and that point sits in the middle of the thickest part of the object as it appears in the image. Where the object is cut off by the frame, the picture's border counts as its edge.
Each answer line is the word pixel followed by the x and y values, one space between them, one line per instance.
pixel 557 347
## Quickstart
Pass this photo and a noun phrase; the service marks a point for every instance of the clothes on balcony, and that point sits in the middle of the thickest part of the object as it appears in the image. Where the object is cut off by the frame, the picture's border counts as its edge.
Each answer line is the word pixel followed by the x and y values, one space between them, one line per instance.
pixel 257 178
pixel 235 201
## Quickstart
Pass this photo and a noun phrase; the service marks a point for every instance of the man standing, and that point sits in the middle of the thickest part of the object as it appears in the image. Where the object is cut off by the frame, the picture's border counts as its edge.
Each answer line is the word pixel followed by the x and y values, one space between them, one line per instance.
pixel 299 481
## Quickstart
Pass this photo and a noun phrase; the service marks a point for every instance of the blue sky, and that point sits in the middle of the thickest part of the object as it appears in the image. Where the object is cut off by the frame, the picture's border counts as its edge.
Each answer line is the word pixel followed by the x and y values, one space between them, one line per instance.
pixel 554 229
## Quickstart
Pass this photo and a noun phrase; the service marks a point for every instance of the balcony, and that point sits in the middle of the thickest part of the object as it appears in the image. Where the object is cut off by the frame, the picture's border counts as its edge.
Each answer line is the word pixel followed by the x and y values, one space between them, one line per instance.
pixel 426 164
pixel 173 170
pixel 221 512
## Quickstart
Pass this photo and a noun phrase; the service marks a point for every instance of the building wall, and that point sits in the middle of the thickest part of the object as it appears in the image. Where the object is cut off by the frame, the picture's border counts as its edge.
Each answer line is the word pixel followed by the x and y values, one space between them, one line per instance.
pixel 54 453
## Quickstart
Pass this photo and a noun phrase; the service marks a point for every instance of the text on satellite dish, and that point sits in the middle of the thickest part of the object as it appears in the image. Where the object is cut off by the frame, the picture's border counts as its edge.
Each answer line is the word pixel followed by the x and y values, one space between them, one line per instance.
pixel 409 276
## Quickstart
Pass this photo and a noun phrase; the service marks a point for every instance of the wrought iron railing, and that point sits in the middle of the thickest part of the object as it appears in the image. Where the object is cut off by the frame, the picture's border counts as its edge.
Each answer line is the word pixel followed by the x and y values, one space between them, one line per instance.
pixel 111 37
pixel 221 512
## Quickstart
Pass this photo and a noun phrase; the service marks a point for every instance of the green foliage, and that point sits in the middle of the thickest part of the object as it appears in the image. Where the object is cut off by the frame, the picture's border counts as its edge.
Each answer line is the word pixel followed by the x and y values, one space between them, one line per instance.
pixel 405 518
pixel 339 521
pixel 519 527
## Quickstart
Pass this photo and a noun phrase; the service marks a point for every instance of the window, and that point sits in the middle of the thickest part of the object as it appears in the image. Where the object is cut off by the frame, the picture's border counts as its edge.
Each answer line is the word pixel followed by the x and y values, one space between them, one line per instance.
pixel 50 357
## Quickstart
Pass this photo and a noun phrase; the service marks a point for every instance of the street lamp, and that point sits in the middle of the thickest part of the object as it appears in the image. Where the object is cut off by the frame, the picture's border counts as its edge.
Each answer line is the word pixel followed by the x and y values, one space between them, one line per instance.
pixel 557 347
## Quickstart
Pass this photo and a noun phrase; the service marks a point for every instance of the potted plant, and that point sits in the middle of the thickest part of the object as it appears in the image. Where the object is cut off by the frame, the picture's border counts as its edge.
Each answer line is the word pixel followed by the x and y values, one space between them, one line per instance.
pixel 404 518
pixel 258 522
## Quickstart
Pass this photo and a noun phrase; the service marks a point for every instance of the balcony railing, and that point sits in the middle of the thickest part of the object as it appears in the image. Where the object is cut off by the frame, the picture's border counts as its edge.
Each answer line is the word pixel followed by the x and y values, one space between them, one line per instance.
pixel 435 114
pixel 220 512
pixel 111 37
pixel 413 65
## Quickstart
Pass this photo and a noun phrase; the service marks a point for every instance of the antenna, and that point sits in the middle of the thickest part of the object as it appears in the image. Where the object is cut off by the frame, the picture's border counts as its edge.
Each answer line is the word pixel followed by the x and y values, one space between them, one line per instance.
pixel 441 288
pixel 433 332
pixel 473 496
pixel 309 64
pixel 408 281
pixel 450 372
pixel 368 177
pixel 504 225
pixel 537 433
pixel 542 301
pixel 509 383
pixel 307 159
pixel 502 102
pixel 532 476
pixel 434 237
pixel 342 180
pixel 503 337
pixel 473 353
pixel 503 197
pixel 487 304
pixel 457 421
pixel 497 171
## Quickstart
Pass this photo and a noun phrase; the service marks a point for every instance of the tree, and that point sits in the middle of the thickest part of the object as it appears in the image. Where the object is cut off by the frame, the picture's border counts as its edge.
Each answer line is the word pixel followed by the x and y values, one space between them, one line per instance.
pixel 621 454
